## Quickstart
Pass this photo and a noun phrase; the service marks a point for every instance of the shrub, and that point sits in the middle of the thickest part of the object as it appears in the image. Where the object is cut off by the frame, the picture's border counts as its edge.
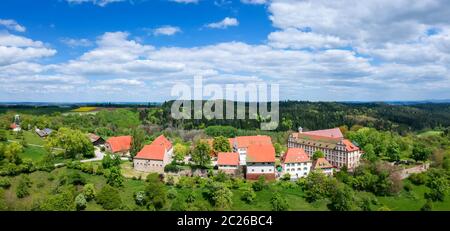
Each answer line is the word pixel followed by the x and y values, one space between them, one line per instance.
pixel 286 177
pixel 109 198
pixel 80 202
pixel 89 191
pixel 260 184
pixel 76 178
pixel 428 206
pixel 5 183
pixel 418 178
pixel 278 203
pixel 408 187
pixel 248 195
pixel 139 198
pixel 172 167
pixel 22 189
pixel 172 194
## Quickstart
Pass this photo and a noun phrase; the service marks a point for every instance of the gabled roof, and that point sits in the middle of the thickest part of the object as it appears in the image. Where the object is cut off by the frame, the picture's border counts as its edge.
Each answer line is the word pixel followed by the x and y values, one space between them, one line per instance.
pixel 261 153
pixel 156 150
pixel 332 133
pixel 93 137
pixel 295 155
pixel 228 158
pixel 119 143
pixel 246 141
pixel 321 163
pixel 349 146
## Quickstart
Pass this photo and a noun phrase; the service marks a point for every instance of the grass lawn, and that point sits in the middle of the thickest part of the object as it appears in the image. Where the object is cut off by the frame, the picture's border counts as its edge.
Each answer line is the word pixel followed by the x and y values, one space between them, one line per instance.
pixel 33 153
pixel 30 136
pixel 429 133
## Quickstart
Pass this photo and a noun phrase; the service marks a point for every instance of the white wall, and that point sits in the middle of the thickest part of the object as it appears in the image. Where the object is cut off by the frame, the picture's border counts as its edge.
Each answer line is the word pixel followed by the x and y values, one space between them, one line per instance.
pixel 297 170
pixel 260 168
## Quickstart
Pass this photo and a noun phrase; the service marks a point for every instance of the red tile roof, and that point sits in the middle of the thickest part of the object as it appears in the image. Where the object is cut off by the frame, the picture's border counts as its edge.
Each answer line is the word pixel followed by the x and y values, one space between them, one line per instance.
pixel 156 150
pixel 92 137
pixel 228 158
pixel 321 163
pixel 13 125
pixel 246 141
pixel 332 133
pixel 261 153
pixel 119 143
pixel 296 155
pixel 350 146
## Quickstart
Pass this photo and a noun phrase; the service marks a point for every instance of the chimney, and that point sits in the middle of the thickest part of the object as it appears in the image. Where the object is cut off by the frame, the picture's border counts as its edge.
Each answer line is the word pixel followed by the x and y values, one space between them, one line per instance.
pixel 300 130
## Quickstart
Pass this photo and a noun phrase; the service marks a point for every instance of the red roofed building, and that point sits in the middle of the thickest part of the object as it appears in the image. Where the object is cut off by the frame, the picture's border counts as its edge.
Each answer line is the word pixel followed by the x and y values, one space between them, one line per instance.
pixel 321 164
pixel 240 145
pixel 155 156
pixel 228 162
pixel 119 144
pixel 296 163
pixel 339 152
pixel 260 160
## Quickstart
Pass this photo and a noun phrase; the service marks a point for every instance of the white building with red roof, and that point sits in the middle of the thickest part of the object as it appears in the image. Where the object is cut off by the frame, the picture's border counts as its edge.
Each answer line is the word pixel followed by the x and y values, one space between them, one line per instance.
pixel 339 152
pixel 296 163
pixel 240 145
pixel 260 161
pixel 228 162
pixel 155 156
pixel 322 165
pixel 119 145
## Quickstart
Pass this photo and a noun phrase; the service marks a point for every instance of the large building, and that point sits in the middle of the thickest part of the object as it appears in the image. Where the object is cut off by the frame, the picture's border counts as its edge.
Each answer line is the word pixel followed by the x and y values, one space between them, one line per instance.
pixel 296 163
pixel 228 162
pixel 339 152
pixel 155 156
pixel 240 144
pixel 119 145
pixel 260 161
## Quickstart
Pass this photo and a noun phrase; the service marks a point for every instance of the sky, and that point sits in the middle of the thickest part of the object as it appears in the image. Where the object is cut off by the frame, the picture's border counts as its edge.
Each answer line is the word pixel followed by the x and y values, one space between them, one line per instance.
pixel 137 50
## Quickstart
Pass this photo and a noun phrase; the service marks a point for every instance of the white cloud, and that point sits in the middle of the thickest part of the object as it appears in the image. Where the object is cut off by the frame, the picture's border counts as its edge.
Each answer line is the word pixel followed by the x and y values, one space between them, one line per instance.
pixel 15 48
pixel 12 25
pixel 166 30
pixel 101 3
pixel 72 42
pixel 254 2
pixel 185 1
pixel 296 39
pixel 226 22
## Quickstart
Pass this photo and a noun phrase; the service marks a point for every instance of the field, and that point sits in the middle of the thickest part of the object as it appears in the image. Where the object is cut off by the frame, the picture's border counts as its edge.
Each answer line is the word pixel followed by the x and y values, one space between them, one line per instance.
pixel 85 109
pixel 429 133
pixel 44 183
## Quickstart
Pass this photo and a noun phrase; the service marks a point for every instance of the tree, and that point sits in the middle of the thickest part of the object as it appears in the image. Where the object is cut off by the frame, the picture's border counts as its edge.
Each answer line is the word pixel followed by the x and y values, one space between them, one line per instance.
pixel 221 144
pixel 139 198
pixel 62 201
pixel 428 206
pixel 110 160
pixel 109 198
pixel 73 142
pixel 439 186
pixel 80 202
pixel 220 195
pixel 369 153
pixel 393 151
pixel 318 186
pixel 114 177
pixel 342 199
pixel 155 192
pixel 3 135
pixel 201 154
pixel 248 195
pixel 278 149
pixel 286 177
pixel 260 184
pixel 23 187
pixel 137 142
pixel 12 151
pixel 89 191
pixel 226 131
pixel 420 152
pixel 180 151
pixel 279 203
pixel 318 154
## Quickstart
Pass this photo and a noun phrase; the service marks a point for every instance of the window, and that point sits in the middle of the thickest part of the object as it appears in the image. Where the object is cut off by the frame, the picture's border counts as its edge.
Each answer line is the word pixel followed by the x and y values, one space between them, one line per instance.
pixel 262 170
pixel 253 170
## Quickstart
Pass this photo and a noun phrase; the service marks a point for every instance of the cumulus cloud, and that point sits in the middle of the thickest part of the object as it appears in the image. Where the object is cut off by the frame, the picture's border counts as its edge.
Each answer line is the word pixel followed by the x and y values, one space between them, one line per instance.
pixel 185 1
pixel 12 25
pixel 72 42
pixel 166 30
pixel 101 3
pixel 254 2
pixel 226 22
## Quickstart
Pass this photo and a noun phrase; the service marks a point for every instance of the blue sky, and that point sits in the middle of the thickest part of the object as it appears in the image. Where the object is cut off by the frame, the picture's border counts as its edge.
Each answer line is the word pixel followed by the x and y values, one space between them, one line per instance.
pixel 136 50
